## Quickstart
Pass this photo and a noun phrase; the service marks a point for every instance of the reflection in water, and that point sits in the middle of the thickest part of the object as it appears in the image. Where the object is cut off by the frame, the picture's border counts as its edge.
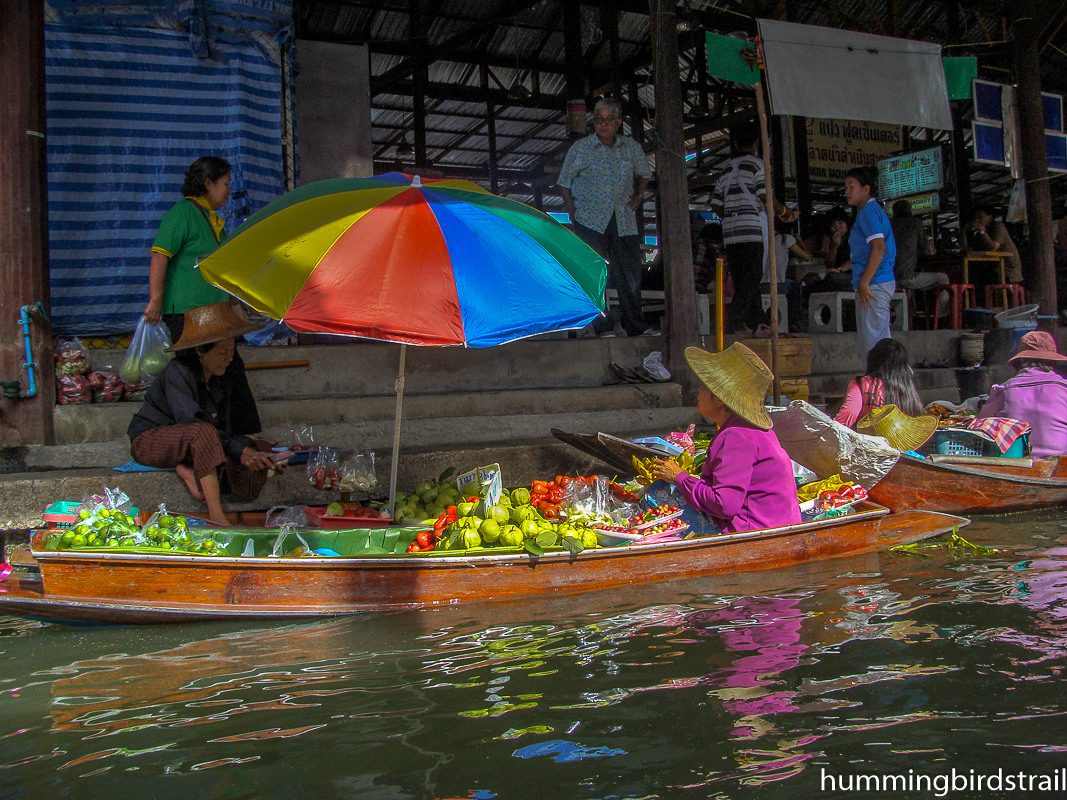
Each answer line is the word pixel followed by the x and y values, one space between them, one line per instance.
pixel 717 688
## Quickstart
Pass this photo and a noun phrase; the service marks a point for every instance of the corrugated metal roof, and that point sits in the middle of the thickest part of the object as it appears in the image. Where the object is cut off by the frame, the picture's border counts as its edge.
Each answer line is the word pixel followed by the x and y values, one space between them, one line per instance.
pixel 531 139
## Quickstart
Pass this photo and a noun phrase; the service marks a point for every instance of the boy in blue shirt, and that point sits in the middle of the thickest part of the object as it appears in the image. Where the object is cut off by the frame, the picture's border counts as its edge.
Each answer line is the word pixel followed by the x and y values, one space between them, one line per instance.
pixel 874 251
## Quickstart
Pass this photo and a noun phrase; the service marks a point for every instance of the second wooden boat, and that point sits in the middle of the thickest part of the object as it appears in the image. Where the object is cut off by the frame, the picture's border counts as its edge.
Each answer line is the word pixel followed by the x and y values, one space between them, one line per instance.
pixel 961 486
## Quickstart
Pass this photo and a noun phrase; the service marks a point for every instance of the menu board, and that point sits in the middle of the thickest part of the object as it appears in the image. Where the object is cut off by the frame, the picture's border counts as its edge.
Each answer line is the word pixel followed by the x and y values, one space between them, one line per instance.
pixel 912 173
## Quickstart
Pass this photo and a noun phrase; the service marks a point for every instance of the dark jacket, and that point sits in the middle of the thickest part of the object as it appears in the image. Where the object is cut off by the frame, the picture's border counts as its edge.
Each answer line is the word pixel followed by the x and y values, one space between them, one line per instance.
pixel 180 395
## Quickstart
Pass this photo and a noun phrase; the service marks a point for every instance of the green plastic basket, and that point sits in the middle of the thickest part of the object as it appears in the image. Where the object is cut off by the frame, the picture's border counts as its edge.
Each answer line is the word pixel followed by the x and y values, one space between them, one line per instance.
pixel 62 514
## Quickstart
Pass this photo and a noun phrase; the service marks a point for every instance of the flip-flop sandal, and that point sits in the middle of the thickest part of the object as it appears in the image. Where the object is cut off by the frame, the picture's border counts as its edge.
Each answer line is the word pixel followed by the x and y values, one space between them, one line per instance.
pixel 625 373
pixel 643 371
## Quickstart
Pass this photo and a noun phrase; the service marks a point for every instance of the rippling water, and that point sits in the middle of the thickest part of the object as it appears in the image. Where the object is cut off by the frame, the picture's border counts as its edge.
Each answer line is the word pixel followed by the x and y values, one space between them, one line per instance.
pixel 783 683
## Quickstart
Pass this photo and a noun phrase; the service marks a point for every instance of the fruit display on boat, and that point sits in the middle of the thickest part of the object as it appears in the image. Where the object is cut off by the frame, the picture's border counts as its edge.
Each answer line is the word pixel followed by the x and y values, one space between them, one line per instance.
pixel 108 528
pixel 429 500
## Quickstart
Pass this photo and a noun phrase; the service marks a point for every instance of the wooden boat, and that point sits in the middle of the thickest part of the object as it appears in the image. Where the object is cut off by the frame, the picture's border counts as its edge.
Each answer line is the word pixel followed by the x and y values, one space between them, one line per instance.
pixel 962 484
pixel 116 587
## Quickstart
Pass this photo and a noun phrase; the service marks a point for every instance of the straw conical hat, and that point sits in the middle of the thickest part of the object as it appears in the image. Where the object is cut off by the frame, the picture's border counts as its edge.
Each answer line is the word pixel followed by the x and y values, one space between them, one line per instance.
pixel 212 323
pixel 900 430
pixel 736 376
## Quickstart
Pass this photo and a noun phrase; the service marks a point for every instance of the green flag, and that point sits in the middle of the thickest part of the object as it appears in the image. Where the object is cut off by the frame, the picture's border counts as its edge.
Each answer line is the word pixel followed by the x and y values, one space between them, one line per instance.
pixel 725 62
pixel 959 72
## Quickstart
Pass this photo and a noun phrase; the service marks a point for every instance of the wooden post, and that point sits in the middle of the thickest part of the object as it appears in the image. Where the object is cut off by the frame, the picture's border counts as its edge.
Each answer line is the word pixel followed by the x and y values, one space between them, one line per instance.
pixel 1025 50
pixel 961 169
pixel 801 170
pixel 675 238
pixel 420 79
pixel 490 129
pixel 24 222
pixel 768 188
pixel 609 24
pixel 574 64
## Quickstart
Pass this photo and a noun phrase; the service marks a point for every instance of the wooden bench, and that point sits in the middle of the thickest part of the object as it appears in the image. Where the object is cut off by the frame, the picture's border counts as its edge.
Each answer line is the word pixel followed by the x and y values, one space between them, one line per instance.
pixel 825 311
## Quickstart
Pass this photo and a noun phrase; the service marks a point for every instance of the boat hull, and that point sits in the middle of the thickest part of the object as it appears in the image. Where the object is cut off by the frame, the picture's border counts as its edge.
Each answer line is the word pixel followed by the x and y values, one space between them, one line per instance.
pixel 129 588
pixel 954 489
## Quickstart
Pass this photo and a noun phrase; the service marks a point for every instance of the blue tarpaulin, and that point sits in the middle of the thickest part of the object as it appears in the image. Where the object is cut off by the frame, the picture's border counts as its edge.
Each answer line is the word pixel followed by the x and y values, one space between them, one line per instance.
pixel 136 93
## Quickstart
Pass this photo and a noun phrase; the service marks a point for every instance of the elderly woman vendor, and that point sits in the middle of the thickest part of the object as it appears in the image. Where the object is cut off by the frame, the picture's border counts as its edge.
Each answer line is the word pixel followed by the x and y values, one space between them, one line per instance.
pixel 185 421
pixel 1037 394
pixel 747 482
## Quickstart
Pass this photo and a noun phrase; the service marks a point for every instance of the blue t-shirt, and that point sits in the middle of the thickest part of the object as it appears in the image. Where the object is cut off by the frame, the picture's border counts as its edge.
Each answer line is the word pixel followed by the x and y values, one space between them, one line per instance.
pixel 871 223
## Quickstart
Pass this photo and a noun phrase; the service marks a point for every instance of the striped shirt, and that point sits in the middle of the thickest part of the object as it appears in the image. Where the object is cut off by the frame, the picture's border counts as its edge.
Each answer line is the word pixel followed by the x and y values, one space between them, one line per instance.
pixel 740 218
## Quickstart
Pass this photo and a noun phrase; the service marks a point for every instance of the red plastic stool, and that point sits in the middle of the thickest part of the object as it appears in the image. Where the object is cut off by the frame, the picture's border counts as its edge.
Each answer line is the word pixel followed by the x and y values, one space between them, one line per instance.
pixel 961 293
pixel 1012 291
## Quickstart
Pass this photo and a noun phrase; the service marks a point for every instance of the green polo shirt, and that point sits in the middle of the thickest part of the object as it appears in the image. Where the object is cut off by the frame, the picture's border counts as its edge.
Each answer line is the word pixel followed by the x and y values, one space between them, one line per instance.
pixel 185 237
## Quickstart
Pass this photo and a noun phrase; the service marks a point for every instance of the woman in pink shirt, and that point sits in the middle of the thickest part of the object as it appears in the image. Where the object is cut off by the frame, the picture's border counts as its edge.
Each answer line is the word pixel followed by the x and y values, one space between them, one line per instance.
pixel 747 482
pixel 1037 394
pixel 889 379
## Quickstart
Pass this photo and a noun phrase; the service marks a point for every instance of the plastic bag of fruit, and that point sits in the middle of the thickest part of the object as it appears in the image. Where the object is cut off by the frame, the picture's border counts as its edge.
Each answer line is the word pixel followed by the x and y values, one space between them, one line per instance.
pixel 71 358
pixel 71 389
pixel 324 468
pixel 357 474
pixel 147 354
pixel 301 548
pixel 106 384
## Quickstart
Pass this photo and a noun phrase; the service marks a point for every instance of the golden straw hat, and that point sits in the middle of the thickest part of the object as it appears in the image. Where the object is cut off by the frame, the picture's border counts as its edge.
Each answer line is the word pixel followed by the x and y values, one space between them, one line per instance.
pixel 900 430
pixel 736 376
pixel 212 323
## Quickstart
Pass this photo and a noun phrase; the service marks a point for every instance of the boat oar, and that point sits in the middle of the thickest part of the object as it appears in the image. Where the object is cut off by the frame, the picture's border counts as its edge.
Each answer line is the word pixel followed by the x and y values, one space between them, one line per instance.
pixel 986 461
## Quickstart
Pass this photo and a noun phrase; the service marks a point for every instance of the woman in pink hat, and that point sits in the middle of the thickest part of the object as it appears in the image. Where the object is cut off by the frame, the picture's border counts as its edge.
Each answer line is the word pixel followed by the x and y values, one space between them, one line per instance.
pixel 1037 394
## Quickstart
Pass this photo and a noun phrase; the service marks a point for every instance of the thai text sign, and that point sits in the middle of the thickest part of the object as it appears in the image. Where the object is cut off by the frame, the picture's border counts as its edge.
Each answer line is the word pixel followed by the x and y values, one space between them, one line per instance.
pixel 912 173
pixel 837 145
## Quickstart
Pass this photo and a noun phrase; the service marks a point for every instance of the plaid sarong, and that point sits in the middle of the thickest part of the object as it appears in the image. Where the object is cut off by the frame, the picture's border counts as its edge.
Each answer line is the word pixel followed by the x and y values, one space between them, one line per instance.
pixel 1003 431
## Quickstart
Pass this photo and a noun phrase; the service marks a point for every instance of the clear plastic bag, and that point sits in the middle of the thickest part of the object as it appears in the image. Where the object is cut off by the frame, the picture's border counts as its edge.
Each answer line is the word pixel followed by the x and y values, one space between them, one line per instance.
pixel 71 358
pixel 106 384
pixel 71 389
pixel 324 468
pixel 286 515
pixel 357 474
pixel 147 354
pixel 302 549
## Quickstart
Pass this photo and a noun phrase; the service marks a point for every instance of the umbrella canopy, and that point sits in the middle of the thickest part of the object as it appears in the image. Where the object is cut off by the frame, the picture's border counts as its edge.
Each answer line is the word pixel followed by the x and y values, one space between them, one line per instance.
pixel 435 262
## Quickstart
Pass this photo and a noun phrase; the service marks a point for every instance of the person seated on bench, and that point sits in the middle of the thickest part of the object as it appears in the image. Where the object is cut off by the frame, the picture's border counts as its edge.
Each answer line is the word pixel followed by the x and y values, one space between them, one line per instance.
pixel 911 240
pixel 889 379
pixel 185 422
pixel 747 482
pixel 1037 394
pixel 837 255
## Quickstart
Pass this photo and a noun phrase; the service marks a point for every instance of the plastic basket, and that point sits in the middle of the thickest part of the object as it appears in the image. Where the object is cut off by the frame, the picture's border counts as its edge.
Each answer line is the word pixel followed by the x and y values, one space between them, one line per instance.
pixel 949 442
pixel 62 514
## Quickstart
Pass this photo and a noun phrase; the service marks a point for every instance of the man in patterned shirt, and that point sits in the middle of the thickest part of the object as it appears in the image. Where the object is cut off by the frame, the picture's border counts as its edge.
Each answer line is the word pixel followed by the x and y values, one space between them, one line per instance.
pixel 739 198
pixel 602 183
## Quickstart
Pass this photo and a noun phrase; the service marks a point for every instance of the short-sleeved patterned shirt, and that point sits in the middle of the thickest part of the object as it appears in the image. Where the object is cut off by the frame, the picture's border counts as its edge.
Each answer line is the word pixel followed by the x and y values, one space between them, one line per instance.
pixel 185 236
pixel 601 180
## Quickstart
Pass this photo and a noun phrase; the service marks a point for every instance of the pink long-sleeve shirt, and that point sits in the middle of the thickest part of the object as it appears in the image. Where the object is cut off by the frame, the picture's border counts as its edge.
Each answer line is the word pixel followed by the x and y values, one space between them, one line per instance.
pixel 1037 397
pixel 747 482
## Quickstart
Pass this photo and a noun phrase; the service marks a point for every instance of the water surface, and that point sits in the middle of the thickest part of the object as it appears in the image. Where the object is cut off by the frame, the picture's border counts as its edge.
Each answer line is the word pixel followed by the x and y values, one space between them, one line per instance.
pixel 781 683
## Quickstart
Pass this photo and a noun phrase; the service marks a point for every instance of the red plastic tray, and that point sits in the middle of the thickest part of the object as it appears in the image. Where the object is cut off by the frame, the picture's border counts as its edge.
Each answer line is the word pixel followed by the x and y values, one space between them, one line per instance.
pixel 317 516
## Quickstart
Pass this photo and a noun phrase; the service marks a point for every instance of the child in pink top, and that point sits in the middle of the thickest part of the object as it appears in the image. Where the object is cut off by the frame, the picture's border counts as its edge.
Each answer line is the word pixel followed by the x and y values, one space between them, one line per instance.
pixel 889 379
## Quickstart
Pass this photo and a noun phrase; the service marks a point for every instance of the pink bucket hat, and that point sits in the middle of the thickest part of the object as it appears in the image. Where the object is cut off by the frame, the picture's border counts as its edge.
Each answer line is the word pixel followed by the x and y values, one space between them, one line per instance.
pixel 1037 346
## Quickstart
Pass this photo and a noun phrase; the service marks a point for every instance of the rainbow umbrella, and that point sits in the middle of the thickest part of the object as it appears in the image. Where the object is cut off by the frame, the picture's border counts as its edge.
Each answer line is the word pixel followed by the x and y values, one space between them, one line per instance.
pixel 435 262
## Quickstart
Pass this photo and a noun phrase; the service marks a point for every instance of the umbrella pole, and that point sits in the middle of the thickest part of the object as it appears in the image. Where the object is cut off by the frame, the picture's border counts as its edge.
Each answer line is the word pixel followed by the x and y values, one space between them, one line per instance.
pixel 396 431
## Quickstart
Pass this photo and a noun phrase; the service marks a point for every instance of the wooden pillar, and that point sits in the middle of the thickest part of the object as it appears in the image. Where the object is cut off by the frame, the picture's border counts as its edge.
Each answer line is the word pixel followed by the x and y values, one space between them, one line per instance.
pixel 1026 32
pixel 801 169
pixel 420 79
pixel 609 24
pixel 490 128
pixel 637 133
pixel 961 168
pixel 24 221
pixel 777 156
pixel 574 64
pixel 675 240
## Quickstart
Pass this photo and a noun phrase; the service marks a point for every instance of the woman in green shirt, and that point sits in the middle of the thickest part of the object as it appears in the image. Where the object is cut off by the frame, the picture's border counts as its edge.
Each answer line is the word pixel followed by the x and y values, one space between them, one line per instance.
pixel 187 233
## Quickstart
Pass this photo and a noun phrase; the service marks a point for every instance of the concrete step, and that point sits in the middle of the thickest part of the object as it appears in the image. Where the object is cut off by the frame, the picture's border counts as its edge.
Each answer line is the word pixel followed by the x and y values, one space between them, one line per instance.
pixel 523 448
pixel 108 421
pixel 377 435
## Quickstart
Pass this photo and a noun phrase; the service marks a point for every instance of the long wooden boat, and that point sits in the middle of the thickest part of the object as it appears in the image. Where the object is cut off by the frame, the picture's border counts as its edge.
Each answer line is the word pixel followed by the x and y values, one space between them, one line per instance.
pixel 959 486
pixel 115 587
